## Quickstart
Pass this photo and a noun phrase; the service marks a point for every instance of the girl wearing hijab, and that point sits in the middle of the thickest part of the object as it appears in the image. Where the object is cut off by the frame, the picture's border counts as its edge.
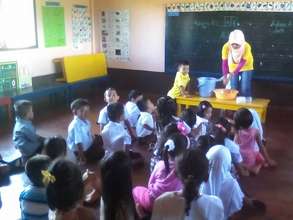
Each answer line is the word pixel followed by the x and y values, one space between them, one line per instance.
pixel 237 63
pixel 221 183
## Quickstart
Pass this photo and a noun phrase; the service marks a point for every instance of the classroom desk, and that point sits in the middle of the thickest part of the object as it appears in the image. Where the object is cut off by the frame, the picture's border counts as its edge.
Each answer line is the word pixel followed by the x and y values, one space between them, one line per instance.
pixel 260 105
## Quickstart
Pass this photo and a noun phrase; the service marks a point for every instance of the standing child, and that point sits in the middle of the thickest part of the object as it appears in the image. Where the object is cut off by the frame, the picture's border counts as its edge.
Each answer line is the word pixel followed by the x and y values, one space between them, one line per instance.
pixel 249 140
pixel 192 168
pixel 33 200
pixel 80 137
pixel 203 118
pixel 131 107
pixel 181 81
pixel 163 178
pixel 25 137
pixel 145 127
pixel 114 135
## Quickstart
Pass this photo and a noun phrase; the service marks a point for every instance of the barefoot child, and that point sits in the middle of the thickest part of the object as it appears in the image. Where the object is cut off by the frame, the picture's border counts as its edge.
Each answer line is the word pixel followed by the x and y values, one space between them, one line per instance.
pixel 249 140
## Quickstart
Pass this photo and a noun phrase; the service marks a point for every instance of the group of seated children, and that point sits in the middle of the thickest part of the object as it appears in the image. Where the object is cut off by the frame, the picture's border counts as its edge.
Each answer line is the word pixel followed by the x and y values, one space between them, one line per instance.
pixel 195 161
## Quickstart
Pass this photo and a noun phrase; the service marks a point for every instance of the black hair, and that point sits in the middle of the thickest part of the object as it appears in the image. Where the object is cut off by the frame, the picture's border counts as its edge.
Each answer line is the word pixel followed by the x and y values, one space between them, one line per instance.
pixel 189 117
pixel 180 142
pixel 202 107
pixel 142 104
pixel 243 119
pixel 221 131
pixel 34 167
pixel 167 108
pixel 115 111
pixel 55 147
pixel 204 143
pixel 67 190
pixel 22 107
pixel 78 104
pixel 192 168
pixel 182 63
pixel 133 94
pixel 117 186
pixel 108 90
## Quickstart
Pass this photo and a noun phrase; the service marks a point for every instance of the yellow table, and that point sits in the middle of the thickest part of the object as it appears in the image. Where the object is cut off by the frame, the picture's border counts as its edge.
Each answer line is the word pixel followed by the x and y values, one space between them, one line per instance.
pixel 260 105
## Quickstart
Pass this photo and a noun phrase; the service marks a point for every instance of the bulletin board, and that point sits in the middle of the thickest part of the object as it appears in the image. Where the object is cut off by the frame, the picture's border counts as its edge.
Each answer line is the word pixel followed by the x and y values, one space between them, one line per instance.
pixel 8 76
pixel 54 26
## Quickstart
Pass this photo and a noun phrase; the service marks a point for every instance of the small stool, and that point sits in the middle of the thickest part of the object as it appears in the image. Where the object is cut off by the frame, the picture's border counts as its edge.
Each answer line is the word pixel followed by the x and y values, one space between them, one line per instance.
pixel 5 101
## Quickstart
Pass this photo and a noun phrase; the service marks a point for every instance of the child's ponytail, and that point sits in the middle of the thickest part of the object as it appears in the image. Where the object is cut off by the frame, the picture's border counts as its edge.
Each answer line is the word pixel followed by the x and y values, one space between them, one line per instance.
pixel 174 146
pixel 190 192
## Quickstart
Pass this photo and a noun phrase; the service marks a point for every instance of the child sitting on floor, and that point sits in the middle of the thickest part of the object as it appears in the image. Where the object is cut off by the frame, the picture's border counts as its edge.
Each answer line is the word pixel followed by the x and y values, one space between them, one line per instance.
pixel 80 137
pixel 181 81
pixel 25 137
pixel 65 191
pixel 163 178
pixel 145 127
pixel 189 204
pixel 203 118
pixel 117 200
pixel 55 147
pixel 110 96
pixel 249 140
pixel 33 200
pixel 131 108
pixel 188 116
pixel 115 137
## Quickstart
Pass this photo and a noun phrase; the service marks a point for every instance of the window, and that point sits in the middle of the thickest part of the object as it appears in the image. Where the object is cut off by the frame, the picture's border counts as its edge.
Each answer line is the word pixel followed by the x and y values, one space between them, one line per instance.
pixel 17 24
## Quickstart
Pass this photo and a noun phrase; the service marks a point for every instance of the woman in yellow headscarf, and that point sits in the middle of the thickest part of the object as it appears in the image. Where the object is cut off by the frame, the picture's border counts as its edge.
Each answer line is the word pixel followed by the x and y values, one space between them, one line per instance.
pixel 237 63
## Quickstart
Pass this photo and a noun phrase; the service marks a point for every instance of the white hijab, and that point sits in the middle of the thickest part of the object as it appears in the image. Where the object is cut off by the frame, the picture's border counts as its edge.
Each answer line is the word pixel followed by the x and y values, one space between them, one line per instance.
pixel 235 55
pixel 221 183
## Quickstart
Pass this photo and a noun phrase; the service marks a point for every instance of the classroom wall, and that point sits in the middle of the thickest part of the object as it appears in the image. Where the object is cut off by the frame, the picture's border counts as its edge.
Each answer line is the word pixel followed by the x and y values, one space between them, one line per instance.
pixel 38 61
pixel 147 32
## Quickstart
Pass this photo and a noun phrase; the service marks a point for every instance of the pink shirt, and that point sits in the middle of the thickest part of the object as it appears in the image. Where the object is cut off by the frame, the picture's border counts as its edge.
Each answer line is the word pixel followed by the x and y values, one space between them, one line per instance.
pixel 160 183
pixel 246 139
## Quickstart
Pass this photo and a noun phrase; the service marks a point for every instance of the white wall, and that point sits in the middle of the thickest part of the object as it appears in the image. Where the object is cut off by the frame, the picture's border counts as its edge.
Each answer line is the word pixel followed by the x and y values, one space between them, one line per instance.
pixel 39 60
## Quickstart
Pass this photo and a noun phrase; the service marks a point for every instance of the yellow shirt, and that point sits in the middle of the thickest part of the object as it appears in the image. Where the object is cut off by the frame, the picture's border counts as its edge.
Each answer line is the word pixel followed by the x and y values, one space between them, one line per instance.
pixel 246 56
pixel 180 80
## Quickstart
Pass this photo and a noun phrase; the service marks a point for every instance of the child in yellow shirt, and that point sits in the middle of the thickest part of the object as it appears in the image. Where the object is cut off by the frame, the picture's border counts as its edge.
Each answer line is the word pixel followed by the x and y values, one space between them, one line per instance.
pixel 181 81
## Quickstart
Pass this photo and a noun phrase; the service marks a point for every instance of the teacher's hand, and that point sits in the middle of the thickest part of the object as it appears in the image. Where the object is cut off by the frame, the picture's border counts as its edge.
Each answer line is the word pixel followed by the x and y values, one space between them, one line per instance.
pixel 227 79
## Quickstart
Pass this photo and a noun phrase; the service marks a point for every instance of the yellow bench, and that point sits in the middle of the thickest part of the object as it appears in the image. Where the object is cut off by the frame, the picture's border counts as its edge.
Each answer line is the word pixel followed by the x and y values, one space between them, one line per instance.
pixel 260 105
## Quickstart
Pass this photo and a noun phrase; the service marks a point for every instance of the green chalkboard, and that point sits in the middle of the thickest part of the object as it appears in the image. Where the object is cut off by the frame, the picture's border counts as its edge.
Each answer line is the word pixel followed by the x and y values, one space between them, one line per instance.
pixel 8 76
pixel 199 37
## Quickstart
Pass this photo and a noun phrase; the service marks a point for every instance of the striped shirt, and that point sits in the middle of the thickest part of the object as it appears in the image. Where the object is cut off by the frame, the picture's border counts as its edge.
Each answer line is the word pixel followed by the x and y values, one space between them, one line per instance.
pixel 33 203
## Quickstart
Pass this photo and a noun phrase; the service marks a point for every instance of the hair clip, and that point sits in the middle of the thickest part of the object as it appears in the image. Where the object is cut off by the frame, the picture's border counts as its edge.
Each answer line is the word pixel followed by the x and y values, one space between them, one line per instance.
pixel 170 144
pixel 183 128
pixel 203 106
pixel 47 177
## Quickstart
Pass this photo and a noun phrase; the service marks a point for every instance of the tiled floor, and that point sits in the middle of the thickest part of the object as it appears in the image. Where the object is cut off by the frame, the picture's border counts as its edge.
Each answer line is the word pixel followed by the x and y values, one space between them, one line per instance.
pixel 274 187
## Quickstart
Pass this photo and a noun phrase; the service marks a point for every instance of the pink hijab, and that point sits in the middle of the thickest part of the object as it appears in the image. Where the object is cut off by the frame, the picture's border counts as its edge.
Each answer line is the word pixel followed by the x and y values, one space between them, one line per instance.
pixel 235 55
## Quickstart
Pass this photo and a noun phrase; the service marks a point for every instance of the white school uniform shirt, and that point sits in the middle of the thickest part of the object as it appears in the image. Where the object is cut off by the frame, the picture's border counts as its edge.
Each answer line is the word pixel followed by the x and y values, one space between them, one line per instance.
pixel 234 149
pixel 132 112
pixel 256 124
pixel 171 206
pixel 115 137
pixel 103 116
pixel 221 183
pixel 144 118
pixel 79 132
